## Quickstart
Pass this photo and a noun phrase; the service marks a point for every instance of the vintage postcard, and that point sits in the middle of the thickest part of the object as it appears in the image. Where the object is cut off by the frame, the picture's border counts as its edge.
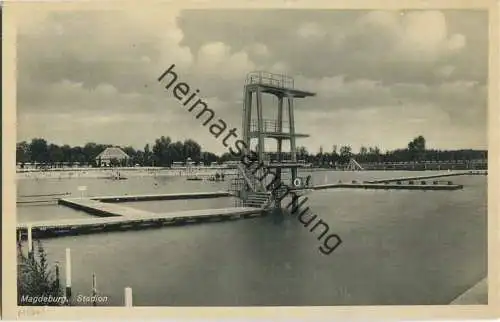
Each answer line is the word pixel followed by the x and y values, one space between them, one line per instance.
pixel 254 158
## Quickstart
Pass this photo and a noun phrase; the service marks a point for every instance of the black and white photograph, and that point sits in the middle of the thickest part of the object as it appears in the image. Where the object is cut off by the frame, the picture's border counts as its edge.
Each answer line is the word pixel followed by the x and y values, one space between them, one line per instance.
pixel 252 157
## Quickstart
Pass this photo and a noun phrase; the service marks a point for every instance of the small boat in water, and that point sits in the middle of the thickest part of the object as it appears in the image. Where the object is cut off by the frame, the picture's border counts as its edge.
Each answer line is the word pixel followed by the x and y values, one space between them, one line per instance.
pixel 195 178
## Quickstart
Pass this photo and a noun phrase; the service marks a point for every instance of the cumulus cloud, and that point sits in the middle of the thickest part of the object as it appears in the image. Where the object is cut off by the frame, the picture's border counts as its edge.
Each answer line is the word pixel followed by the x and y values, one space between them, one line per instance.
pixel 411 36
pixel 167 35
pixel 424 35
pixel 279 68
pixel 216 59
pixel 378 75
pixel 453 97
pixel 259 49
pixel 311 30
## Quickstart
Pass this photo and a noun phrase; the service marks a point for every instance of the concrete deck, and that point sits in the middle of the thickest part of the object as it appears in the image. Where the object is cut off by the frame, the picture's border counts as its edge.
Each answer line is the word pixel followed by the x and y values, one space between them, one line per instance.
pixel 110 216
pixel 441 175
pixel 101 209
pixel 137 220
pixel 383 186
pixel 164 196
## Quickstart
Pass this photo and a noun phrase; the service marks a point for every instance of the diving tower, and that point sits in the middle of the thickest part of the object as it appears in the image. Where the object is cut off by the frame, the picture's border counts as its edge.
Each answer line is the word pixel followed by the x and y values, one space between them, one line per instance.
pixel 280 128
pixel 283 88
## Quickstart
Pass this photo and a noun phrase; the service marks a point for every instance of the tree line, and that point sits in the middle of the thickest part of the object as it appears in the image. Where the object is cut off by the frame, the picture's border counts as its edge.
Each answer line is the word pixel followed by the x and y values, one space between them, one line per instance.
pixel 164 151
pixel 415 151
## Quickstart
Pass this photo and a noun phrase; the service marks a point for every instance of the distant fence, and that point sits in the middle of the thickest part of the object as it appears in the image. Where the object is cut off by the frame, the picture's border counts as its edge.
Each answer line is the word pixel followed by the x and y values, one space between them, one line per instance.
pixel 111 169
pixel 477 161
pixel 428 165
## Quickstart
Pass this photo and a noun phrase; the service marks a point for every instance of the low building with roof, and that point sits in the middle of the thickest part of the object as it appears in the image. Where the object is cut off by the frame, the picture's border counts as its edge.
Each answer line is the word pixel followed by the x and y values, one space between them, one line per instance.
pixel 112 156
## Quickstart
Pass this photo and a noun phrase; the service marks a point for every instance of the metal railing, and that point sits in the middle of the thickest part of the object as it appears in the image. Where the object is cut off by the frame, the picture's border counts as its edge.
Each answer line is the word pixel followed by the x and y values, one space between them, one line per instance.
pixel 269 125
pixel 274 156
pixel 266 78
pixel 248 179
pixel 428 162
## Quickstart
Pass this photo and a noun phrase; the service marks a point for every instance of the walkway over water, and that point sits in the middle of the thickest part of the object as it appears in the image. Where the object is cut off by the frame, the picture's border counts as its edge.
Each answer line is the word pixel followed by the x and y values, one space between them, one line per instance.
pixel 163 196
pixel 110 216
pixel 385 186
pixel 104 206
pixel 388 184
pixel 430 176
pixel 101 209
pixel 131 221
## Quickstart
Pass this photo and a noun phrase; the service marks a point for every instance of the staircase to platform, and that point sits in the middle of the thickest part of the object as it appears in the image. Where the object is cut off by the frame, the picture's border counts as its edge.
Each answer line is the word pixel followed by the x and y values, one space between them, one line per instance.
pixel 250 192
pixel 257 200
pixel 281 192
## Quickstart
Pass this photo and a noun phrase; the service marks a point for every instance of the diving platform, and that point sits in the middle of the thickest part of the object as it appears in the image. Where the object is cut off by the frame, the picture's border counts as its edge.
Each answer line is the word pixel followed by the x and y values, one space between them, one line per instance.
pixel 277 135
pixel 274 129
pixel 275 84
pixel 276 90
pixel 283 165
pixel 281 128
pixel 133 221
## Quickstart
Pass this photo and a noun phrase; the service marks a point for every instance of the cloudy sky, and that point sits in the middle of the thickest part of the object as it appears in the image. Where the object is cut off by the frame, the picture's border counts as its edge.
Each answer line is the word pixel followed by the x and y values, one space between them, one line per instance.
pixel 381 78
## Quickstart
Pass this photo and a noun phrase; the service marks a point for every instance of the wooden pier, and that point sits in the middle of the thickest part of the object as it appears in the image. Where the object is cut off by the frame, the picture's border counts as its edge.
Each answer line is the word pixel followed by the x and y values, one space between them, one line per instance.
pixel 388 186
pixel 441 175
pixel 139 220
pixel 405 183
pixel 112 217
pixel 168 196
pixel 101 209
pixel 402 183
pixel 105 206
